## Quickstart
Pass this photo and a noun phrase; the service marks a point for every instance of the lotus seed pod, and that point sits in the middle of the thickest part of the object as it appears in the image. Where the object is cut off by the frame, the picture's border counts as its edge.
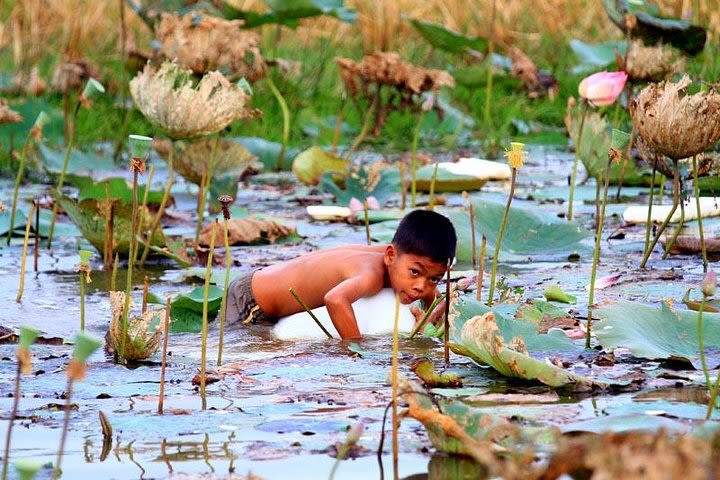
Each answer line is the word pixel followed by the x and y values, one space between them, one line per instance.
pixel 85 345
pixel 516 155
pixel 92 89
pixel 245 86
pixel 140 146
pixel 27 336
pixel 27 468
pixel 85 255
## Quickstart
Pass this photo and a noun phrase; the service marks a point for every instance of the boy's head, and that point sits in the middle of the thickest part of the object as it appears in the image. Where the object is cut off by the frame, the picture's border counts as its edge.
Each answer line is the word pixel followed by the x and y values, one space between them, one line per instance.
pixel 417 259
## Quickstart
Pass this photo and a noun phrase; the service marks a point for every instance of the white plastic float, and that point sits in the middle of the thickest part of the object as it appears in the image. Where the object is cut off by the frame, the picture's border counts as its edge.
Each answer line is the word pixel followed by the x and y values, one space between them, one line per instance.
pixel 375 316
pixel 328 213
pixel 710 207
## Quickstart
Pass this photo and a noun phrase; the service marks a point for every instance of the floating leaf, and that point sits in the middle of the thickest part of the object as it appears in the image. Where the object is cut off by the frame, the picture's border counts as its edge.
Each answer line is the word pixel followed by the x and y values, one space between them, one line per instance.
pixel 80 164
pixel 554 293
pixel 359 185
pixel 120 189
pixel 186 309
pixel 89 216
pixel 658 333
pixel 447 180
pixel 447 40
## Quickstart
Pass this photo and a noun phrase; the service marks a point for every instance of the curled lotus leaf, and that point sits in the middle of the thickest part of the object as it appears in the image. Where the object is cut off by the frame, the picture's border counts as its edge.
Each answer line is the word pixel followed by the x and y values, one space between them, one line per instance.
pixel 675 123
pixel 192 159
pixel 142 335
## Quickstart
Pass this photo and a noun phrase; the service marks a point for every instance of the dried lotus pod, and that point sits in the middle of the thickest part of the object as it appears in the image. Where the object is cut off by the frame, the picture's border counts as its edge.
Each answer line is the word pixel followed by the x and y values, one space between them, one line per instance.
pixel 204 43
pixel 674 123
pixel 169 98
pixel 143 333
pixel 650 63
pixel 664 164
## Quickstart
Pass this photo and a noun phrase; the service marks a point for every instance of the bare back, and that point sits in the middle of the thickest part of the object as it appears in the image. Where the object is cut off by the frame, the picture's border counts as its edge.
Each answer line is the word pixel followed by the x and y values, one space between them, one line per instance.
pixel 314 274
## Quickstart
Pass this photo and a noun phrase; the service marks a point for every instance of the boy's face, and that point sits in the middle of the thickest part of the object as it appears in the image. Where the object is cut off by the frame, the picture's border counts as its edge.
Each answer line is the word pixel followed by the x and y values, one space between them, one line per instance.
pixel 412 276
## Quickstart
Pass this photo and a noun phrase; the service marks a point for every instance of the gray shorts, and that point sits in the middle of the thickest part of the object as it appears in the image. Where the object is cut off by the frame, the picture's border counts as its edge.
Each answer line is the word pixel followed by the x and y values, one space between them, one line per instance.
pixel 241 305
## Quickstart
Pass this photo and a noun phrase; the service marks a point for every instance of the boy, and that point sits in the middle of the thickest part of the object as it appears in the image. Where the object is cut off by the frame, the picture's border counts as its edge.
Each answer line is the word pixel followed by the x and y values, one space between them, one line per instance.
pixel 412 265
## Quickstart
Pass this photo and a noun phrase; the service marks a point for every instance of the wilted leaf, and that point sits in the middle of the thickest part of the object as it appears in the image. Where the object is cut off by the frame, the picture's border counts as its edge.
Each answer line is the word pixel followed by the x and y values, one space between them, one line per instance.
pixel 248 230
pixel 142 333
pixel 310 165
pixel 425 369
pixel 658 333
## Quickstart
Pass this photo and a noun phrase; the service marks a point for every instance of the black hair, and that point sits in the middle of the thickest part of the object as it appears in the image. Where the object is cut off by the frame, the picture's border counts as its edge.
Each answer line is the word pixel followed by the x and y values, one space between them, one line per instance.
pixel 426 233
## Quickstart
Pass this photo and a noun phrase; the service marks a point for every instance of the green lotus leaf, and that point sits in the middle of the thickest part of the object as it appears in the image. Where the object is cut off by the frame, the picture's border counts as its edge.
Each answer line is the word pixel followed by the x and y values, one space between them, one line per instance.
pixel 554 293
pixel 93 89
pixel 310 165
pixel 446 181
pixel 27 336
pixel 267 152
pixel 186 309
pixel 658 333
pixel 447 40
pixel 85 345
pixel 289 12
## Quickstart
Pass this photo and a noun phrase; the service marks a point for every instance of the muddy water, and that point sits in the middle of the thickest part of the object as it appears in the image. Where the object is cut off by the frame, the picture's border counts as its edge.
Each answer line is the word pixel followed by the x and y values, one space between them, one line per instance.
pixel 281 407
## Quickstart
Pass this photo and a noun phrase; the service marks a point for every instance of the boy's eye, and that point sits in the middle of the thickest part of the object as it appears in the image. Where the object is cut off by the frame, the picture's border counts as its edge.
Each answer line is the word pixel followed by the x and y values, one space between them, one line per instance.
pixel 414 272
pixel 434 280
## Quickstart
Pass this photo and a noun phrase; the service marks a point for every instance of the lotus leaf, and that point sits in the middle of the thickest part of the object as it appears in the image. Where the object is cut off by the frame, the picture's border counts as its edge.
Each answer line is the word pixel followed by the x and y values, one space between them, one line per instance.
pixel 447 40
pixel 267 152
pixel 425 369
pixel 289 12
pixel 142 334
pixel 359 184
pixel 186 309
pixel 192 159
pixel 310 165
pixel 89 217
pixel 247 231
pixel 81 165
pixel 555 293
pixel 119 188
pixel 658 333
pixel 653 28
pixel 30 109
pixel 446 181
pixel 599 55
pixel 85 345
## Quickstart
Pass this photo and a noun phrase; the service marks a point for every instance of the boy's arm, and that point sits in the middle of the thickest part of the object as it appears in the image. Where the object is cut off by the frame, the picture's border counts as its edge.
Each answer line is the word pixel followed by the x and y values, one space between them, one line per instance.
pixel 339 299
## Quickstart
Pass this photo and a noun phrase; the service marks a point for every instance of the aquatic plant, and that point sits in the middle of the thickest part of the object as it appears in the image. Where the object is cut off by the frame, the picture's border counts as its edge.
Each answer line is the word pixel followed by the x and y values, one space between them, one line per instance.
pixel 677 125
pixel 84 268
pixel 225 202
pixel 23 258
pixel 163 365
pixel 85 345
pixel 351 438
pixel 26 338
pixel 599 90
pixel 34 133
pixel 206 290
pixel 92 89
pixel 516 156
pixel 132 337
pixel 619 141
pixel 139 150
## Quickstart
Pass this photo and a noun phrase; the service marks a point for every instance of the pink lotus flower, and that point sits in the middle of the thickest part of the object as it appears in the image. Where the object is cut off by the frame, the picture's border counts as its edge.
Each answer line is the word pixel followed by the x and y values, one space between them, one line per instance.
pixel 357 206
pixel 603 88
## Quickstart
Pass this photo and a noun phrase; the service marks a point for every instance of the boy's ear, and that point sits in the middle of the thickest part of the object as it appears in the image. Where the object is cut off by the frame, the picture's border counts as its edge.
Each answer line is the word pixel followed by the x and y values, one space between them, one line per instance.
pixel 390 254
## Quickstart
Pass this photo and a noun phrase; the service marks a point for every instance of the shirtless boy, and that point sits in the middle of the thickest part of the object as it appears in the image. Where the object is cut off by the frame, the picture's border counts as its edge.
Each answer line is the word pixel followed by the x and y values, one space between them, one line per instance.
pixel 412 265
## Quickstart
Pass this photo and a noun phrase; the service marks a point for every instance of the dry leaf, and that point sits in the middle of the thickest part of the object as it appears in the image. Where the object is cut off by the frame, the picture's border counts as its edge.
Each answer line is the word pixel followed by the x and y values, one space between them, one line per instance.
pixel 246 231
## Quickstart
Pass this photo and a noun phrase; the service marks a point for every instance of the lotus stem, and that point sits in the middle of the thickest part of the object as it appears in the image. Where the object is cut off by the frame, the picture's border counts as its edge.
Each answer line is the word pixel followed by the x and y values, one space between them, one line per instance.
pixel 425 318
pixel 128 282
pixel 161 395
pixel 36 243
pixel 431 201
pixel 365 126
pixel 676 233
pixel 413 158
pixel 16 189
pixel 628 156
pixel 367 222
pixel 481 270
pixel 148 184
pixel 696 187
pixel 394 379
pixel 648 223
pixel 403 186
pixel 596 252
pixel 204 185
pixel 701 343
pixel 82 300
pixel 447 314
pixel 28 224
pixel 108 246
pixel 309 312
pixel 206 292
pixel 338 123
pixel 113 275
pixel 223 305
pixel 13 414
pixel 473 243
pixel 163 204
pixel 63 172
pixel 661 193
pixel 676 200
pixel 575 161
pixel 713 397
pixel 489 81
pixel 146 286
pixel 498 243
pixel 57 472
pixel 286 121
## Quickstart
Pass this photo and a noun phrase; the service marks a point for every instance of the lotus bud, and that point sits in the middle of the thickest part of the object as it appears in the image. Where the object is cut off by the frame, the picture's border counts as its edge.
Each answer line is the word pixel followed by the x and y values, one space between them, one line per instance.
pixel 356 205
pixel 140 146
pixel 373 203
pixel 27 468
pixel 354 433
pixel 85 345
pixel 516 155
pixel 603 88
pixel 245 86
pixel 709 284
pixel 92 89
